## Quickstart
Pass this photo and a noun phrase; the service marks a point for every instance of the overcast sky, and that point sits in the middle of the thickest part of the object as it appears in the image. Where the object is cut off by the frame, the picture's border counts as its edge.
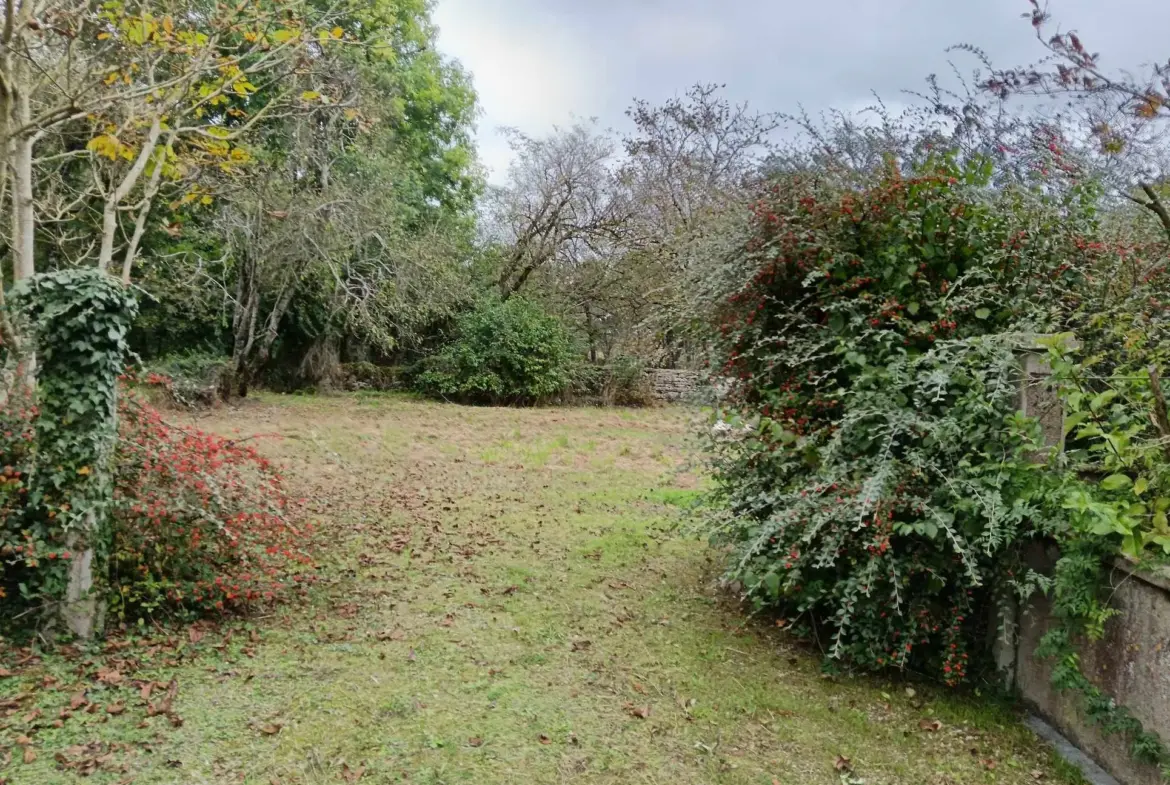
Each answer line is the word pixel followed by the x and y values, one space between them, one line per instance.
pixel 538 63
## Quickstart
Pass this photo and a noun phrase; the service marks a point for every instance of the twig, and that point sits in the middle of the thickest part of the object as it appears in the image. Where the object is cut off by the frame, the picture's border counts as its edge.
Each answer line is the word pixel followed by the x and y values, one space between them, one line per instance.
pixel 1161 419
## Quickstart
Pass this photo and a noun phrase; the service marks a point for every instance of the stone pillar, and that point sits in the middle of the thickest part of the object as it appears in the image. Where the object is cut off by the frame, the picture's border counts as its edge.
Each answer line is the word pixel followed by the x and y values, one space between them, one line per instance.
pixel 1037 398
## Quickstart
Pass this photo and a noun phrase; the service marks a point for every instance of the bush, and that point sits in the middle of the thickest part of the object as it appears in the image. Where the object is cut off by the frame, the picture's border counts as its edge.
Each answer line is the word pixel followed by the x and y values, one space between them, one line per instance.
pixel 189 380
pixel 368 376
pixel 885 482
pixel 200 523
pixel 621 382
pixel 625 384
pixel 508 352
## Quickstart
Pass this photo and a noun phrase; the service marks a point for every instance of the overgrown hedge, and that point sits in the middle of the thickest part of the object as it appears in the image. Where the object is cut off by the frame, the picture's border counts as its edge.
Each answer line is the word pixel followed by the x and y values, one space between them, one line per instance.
pixel 881 494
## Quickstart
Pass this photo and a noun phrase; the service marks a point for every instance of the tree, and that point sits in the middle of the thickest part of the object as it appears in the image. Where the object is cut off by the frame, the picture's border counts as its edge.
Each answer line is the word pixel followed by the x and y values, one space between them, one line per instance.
pixel 1126 114
pixel 563 204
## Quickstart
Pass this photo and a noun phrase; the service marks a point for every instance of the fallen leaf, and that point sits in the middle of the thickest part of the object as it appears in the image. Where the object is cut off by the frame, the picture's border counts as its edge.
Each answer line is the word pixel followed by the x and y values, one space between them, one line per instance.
pixel 352 775
pixel 910 693
pixel 580 645
pixel 989 764
pixel 391 635
pixel 194 634
pixel 641 712
pixel 843 764
pixel 475 741
pixel 544 739
pixel 110 676
pixel 30 755
pixel 145 690
pixel 638 688
pixel 271 728
pixel 32 716
pixel 5 673
pixel 23 741
pixel 77 701
pixel 933 726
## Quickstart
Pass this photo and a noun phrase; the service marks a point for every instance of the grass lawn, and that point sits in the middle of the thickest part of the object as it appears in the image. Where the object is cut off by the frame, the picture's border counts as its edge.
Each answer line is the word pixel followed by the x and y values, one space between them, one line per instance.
pixel 503 600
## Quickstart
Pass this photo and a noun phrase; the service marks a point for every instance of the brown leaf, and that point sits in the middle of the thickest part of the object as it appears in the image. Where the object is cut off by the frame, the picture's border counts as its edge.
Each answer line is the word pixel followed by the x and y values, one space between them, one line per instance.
pixel 78 700
pixel 641 712
pixel 843 764
pixel 23 741
pixel 933 726
pixel 580 645
pixel 544 739
pixel 116 708
pixel 638 688
pixel 475 741
pixel 176 720
pixel 110 676
pixel 989 764
pixel 145 691
pixel 352 775
pixel 391 635
pixel 32 716
pixel 271 728
pixel 5 673
pixel 194 634
pixel 30 755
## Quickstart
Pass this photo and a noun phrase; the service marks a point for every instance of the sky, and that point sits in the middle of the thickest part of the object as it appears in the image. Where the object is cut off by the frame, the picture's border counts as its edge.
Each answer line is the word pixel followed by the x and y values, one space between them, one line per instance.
pixel 541 63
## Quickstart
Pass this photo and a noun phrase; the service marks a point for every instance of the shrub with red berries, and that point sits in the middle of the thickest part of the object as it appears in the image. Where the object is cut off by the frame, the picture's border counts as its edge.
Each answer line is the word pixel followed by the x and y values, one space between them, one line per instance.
pixel 201 524
pixel 871 354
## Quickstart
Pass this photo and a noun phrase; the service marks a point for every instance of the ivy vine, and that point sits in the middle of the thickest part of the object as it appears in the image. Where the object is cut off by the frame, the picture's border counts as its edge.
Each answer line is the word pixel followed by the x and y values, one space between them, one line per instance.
pixel 79 320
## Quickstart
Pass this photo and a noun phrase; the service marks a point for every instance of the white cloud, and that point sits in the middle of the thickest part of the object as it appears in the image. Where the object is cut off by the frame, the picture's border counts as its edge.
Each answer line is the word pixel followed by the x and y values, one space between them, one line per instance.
pixel 530 73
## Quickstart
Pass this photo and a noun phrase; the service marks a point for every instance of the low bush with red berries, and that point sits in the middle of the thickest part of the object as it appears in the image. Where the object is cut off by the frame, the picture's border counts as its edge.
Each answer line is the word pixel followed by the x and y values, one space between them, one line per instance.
pixel 200 523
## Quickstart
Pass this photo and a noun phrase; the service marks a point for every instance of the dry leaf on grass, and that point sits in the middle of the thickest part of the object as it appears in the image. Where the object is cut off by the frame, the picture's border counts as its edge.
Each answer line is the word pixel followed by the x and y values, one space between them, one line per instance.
pixel 641 712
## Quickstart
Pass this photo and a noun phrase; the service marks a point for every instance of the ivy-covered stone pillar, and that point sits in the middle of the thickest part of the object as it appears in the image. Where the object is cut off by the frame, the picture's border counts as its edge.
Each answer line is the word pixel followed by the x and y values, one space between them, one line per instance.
pixel 1038 398
pixel 79 320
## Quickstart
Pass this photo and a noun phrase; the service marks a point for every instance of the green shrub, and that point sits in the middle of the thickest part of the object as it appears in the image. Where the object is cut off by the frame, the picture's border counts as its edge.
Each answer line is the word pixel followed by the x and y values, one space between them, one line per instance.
pixel 189 380
pixel 368 376
pixel 507 352
pixel 625 383
pixel 620 382
pixel 884 482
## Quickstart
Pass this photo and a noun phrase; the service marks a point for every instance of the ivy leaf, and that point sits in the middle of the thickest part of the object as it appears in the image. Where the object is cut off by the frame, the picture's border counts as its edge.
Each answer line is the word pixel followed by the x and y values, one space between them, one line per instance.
pixel 1102 400
pixel 1115 482
pixel 983 313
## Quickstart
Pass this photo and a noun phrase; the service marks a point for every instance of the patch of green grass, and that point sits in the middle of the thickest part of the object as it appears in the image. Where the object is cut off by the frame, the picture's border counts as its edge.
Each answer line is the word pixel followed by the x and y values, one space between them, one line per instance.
pixel 540 626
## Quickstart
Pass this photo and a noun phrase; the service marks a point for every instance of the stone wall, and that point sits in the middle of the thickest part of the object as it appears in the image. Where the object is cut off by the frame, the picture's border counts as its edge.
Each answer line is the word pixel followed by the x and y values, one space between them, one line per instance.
pixel 672 385
pixel 1131 664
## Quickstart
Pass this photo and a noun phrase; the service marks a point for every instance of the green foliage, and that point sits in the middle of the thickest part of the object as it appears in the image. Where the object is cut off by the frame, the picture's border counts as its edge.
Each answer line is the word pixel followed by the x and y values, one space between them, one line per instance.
pixel 620 382
pixel 190 379
pixel 368 376
pixel 80 320
pixel 885 481
pixel 508 352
